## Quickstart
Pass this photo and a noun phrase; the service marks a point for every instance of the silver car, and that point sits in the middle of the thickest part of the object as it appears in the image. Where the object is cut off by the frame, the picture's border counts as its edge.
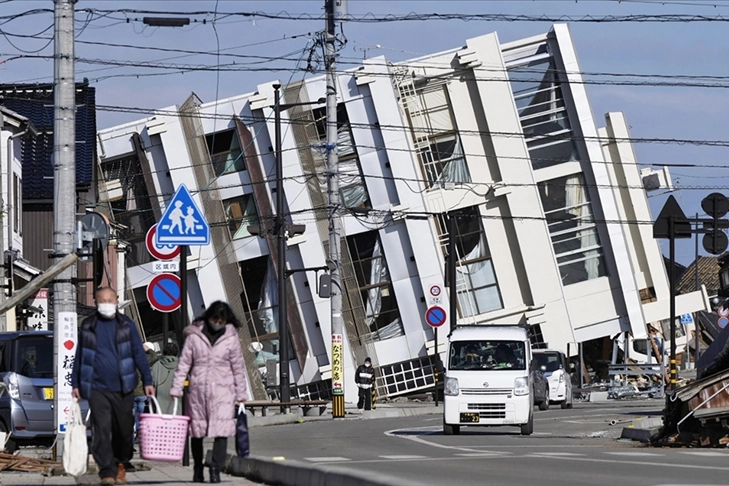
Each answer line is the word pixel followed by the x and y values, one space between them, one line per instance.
pixel 26 394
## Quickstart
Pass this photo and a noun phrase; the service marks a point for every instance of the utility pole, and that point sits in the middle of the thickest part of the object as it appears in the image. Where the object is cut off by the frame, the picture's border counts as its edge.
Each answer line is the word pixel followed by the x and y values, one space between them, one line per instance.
pixel 64 195
pixel 335 230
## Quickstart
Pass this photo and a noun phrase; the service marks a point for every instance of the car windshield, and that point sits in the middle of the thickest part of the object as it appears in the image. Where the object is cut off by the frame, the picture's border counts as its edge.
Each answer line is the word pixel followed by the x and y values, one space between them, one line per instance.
pixel 548 361
pixel 34 356
pixel 490 355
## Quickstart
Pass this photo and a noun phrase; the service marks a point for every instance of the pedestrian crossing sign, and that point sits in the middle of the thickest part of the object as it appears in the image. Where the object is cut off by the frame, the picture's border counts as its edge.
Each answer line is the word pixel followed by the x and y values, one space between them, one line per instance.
pixel 182 223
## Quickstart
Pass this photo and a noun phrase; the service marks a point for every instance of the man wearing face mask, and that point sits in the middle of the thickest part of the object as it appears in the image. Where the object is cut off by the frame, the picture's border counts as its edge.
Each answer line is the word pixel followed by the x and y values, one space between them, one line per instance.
pixel 108 355
pixel 365 378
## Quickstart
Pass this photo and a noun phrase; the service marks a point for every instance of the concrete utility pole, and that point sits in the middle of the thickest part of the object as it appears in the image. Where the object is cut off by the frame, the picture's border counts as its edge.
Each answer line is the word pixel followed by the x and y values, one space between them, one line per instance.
pixel 64 188
pixel 334 263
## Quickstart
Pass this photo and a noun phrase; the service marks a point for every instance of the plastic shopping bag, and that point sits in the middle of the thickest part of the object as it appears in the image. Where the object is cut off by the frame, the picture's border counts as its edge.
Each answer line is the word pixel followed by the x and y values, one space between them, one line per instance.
pixel 75 448
pixel 242 441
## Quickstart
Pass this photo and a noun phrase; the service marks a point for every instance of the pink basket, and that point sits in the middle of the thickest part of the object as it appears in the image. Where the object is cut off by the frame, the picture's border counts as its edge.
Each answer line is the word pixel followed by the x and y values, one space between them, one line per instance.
pixel 162 437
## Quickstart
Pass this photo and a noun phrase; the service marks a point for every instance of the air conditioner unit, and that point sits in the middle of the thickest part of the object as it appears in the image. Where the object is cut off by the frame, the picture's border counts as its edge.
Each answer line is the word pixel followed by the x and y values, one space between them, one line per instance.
pixel 110 191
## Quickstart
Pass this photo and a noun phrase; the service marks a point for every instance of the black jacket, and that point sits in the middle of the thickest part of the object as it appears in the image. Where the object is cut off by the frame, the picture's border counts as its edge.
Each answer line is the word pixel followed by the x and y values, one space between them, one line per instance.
pixel 364 376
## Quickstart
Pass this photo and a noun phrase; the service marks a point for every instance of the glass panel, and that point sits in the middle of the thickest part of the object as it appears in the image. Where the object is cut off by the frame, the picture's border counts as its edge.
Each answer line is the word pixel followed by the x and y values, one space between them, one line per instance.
pixel 494 355
pixel 241 212
pixel 572 228
pixel 225 152
pixel 34 356
pixel 553 153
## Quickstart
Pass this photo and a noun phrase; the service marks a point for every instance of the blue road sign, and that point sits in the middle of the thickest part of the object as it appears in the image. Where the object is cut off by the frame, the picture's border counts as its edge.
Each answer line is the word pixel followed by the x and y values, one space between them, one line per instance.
pixel 164 293
pixel 435 316
pixel 182 223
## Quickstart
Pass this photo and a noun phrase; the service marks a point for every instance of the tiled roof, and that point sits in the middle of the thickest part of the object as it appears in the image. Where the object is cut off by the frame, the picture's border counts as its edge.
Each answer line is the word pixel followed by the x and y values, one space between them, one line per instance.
pixel 708 269
pixel 35 102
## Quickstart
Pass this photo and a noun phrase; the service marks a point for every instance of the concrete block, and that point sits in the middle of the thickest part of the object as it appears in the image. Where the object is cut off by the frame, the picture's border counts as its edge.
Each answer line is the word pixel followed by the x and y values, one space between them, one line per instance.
pixel 641 435
pixel 601 396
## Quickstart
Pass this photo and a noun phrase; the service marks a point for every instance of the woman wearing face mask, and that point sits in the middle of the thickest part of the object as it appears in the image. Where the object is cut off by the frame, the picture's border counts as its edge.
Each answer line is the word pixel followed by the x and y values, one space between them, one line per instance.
pixel 213 358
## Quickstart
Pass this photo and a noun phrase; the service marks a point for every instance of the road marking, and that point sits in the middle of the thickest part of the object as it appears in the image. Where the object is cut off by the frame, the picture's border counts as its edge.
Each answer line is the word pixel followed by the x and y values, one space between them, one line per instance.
pixel 705 453
pixel 564 454
pixel 482 454
pixel 635 454
pixel 327 459
pixel 402 457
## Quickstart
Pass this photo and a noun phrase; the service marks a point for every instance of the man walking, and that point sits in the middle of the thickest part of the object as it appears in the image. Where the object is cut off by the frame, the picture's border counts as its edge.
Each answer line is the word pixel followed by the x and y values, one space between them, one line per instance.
pixel 108 355
pixel 365 378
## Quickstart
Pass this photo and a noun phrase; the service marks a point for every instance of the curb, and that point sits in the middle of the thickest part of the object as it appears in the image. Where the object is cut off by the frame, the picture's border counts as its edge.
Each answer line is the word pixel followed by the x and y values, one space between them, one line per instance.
pixel 294 473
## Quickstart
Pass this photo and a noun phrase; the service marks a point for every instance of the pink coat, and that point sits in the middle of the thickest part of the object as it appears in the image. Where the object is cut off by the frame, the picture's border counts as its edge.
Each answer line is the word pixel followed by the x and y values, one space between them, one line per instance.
pixel 217 381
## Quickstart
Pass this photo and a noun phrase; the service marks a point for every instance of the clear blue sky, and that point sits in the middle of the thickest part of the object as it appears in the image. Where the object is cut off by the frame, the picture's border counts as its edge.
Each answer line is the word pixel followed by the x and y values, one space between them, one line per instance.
pixel 670 49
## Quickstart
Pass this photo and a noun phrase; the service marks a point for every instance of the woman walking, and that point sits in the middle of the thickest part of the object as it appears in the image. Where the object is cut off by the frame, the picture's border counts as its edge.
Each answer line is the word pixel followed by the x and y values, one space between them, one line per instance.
pixel 213 358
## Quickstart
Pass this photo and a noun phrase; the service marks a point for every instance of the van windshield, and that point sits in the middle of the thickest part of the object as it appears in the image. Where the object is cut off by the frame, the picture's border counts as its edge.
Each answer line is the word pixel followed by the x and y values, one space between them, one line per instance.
pixel 489 355
pixel 33 356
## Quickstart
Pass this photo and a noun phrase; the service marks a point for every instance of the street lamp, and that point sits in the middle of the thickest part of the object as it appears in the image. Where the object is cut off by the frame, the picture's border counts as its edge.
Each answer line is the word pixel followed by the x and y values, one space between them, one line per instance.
pixel 280 230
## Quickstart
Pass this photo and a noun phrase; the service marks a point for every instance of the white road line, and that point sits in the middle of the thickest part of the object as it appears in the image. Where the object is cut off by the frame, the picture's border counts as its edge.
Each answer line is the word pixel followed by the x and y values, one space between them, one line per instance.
pixel 563 454
pixel 706 453
pixel 635 454
pixel 402 457
pixel 482 454
pixel 327 459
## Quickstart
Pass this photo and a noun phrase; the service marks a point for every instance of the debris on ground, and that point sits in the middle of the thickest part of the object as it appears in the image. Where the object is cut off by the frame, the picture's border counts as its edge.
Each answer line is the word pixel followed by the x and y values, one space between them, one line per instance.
pixel 10 462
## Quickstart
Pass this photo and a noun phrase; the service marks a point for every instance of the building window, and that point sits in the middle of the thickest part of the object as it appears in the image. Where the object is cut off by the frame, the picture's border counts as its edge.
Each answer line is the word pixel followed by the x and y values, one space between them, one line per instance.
pixel 373 279
pixel 241 212
pixel 476 284
pixel 225 152
pixel 260 301
pixel 435 135
pixel 352 188
pixel 544 120
pixel 572 228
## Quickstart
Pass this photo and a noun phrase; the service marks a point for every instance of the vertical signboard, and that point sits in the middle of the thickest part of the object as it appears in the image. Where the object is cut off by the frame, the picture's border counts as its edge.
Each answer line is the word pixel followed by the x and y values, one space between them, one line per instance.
pixel 38 315
pixel 64 366
pixel 337 365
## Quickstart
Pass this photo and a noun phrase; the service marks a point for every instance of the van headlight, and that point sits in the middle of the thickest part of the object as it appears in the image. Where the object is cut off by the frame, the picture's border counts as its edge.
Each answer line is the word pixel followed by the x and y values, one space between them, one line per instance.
pixel 561 377
pixel 451 387
pixel 13 386
pixel 521 386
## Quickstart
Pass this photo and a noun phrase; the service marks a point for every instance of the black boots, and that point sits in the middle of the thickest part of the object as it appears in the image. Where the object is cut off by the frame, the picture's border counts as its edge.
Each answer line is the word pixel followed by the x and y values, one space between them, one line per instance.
pixel 197 475
pixel 214 475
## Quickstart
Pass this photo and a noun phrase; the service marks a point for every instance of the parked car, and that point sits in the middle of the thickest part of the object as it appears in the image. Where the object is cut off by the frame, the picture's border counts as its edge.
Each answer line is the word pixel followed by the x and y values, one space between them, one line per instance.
pixel 553 364
pixel 26 395
pixel 540 388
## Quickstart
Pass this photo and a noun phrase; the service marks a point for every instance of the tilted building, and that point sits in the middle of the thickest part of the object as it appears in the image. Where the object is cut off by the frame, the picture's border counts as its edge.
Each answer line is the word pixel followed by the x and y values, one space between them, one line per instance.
pixel 551 218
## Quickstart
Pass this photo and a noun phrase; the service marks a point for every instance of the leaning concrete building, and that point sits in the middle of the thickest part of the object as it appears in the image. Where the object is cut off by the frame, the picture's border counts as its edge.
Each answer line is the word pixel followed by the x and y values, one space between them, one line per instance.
pixel 551 216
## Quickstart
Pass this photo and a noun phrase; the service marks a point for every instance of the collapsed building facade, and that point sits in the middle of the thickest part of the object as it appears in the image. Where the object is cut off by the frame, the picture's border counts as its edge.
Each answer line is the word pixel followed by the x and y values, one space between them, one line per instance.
pixel 548 209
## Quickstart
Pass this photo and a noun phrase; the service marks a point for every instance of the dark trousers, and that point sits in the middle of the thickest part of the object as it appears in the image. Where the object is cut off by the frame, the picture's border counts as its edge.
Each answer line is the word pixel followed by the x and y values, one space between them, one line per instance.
pixel 112 421
pixel 220 452
pixel 365 398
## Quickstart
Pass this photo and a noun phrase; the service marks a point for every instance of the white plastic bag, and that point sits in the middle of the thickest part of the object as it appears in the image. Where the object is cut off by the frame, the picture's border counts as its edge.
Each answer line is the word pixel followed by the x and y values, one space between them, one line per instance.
pixel 75 449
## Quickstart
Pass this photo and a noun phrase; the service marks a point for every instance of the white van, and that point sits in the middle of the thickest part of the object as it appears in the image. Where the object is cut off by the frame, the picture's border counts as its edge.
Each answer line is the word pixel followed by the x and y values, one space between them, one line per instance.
pixel 487 379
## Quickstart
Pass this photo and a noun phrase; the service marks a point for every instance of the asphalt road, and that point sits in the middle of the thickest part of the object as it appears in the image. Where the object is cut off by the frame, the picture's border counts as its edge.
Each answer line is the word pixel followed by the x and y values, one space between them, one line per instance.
pixel 568 447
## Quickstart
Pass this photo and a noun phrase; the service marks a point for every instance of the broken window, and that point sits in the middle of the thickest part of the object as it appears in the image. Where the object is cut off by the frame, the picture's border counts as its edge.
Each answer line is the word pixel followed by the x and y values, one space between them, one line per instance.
pixel 476 284
pixel 572 228
pixel 373 279
pixel 225 152
pixel 352 188
pixel 435 135
pixel 260 301
pixel 240 212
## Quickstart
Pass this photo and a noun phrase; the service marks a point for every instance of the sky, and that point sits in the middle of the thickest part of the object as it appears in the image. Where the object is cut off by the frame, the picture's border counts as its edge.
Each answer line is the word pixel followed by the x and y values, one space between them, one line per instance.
pixel 144 69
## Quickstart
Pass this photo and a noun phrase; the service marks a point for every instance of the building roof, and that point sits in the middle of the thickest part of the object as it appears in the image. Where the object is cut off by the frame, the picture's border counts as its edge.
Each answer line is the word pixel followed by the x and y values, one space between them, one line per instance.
pixel 708 270
pixel 35 102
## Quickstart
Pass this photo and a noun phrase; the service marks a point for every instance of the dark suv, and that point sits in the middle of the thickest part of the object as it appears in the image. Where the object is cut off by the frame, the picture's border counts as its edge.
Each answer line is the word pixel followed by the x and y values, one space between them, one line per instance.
pixel 26 397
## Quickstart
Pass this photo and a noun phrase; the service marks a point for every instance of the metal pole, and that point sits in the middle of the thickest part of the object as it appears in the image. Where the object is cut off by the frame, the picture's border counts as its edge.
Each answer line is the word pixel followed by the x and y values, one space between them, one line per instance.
pixel 453 296
pixel 280 226
pixel 64 176
pixel 181 336
pixel 437 364
pixel 165 329
pixel 672 289
pixel 334 262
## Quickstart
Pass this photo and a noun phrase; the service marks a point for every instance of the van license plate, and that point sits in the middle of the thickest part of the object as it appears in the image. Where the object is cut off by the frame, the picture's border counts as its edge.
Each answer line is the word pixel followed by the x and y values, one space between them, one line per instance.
pixel 48 393
pixel 470 417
